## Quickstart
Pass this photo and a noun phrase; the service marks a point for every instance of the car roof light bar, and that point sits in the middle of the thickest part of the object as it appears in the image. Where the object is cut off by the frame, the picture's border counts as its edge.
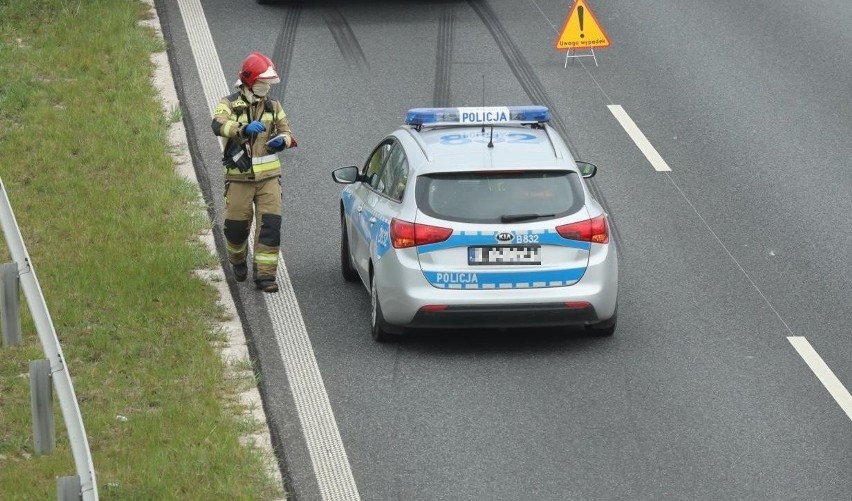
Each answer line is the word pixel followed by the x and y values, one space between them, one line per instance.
pixel 482 115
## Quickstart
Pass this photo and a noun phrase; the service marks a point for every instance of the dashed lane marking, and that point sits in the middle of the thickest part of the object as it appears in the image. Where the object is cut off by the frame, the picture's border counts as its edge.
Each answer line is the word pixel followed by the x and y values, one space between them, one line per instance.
pixel 823 373
pixel 639 138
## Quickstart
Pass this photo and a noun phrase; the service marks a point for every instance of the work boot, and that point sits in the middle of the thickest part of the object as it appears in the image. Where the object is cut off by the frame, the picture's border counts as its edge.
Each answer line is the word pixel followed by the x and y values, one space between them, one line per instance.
pixel 240 271
pixel 267 285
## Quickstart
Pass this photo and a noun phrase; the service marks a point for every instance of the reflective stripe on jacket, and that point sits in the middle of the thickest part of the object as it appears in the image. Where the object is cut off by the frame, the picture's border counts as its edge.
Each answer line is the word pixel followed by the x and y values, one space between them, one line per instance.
pixel 232 114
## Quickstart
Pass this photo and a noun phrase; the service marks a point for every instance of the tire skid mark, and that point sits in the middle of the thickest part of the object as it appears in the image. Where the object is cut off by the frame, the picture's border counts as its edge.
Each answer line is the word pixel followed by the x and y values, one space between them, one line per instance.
pixel 536 92
pixel 344 37
pixel 283 52
pixel 443 58
pixel 517 63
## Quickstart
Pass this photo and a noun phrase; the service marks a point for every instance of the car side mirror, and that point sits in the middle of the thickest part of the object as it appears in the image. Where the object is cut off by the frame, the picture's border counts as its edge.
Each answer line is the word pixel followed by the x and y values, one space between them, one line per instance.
pixel 586 169
pixel 346 175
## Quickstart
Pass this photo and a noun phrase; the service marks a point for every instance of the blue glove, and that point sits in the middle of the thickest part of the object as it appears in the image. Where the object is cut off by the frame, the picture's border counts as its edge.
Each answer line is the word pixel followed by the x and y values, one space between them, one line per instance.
pixel 275 142
pixel 254 127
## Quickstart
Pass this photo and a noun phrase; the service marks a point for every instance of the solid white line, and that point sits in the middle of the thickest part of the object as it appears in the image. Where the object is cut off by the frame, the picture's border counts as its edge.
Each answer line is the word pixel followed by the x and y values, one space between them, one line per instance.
pixel 639 138
pixel 823 373
pixel 545 16
pixel 325 446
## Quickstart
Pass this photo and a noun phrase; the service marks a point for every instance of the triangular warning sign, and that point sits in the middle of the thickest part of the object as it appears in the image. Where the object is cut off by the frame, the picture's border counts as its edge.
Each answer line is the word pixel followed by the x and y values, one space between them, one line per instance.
pixel 581 30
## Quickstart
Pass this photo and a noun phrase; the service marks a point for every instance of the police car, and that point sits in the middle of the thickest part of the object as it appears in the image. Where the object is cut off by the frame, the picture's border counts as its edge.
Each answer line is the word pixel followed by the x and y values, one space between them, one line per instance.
pixel 477 217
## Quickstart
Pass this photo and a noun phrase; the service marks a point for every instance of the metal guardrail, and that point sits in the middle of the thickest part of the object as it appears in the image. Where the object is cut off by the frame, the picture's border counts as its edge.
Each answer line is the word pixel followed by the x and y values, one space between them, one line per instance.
pixel 53 351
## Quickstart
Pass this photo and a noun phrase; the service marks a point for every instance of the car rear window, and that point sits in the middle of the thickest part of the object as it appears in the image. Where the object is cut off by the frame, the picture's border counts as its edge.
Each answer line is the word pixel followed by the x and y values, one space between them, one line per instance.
pixel 494 197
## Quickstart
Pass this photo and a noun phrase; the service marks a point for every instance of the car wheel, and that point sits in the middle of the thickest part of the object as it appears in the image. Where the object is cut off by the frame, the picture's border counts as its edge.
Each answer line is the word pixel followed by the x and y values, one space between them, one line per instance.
pixel 606 328
pixel 346 268
pixel 377 320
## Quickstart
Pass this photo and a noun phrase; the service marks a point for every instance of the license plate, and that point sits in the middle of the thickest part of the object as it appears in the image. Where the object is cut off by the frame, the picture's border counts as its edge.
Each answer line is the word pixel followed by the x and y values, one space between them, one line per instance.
pixel 503 254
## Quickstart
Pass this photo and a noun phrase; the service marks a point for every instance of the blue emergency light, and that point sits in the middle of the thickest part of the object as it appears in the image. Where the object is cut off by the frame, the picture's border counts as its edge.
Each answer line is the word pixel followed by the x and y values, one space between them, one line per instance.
pixel 484 115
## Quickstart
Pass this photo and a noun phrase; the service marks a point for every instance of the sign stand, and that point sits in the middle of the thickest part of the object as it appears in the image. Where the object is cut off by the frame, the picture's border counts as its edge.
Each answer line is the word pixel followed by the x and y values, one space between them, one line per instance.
pixel 568 55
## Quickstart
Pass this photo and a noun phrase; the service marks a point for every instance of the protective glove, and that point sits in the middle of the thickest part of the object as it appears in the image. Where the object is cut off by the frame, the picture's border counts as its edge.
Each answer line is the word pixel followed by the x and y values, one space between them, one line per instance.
pixel 254 127
pixel 293 142
pixel 276 142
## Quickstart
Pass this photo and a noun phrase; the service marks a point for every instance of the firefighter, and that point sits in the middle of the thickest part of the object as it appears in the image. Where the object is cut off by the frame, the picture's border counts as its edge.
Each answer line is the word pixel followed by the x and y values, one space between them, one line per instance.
pixel 253 128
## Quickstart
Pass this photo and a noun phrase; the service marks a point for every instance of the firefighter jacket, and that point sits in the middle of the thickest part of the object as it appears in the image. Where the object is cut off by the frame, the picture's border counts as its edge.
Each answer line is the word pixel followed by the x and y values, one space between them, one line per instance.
pixel 232 114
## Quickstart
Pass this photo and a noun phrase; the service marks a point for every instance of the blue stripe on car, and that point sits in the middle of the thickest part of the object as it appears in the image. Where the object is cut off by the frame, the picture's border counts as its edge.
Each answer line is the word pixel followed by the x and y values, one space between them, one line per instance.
pixel 381 235
pixel 504 280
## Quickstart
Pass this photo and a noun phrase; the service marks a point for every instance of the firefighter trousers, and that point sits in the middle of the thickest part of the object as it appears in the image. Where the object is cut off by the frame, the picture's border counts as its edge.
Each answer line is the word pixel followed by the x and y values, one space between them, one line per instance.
pixel 242 200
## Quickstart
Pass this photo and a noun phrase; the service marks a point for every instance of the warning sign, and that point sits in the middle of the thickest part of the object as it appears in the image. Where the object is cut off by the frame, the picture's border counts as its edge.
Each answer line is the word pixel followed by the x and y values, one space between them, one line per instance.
pixel 581 30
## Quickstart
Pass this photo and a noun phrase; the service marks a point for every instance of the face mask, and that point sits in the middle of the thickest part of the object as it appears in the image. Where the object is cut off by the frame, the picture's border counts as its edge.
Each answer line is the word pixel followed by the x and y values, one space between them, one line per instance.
pixel 260 89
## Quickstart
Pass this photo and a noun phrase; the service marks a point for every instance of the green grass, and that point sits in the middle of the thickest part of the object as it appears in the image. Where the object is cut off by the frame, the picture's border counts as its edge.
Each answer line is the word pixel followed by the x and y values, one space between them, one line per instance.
pixel 111 231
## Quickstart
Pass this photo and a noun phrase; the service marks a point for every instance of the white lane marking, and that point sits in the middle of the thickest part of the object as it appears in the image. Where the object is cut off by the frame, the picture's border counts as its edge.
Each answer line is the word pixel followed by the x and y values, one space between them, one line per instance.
pixel 823 373
pixel 325 446
pixel 204 52
pixel 545 16
pixel 639 138
pixel 803 347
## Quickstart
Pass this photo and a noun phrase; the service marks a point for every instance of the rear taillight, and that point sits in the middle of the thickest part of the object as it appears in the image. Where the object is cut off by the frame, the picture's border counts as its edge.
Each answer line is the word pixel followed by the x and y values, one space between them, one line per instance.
pixel 593 230
pixel 404 234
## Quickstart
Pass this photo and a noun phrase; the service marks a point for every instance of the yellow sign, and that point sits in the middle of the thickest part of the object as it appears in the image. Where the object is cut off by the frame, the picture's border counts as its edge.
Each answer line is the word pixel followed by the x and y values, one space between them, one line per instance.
pixel 581 30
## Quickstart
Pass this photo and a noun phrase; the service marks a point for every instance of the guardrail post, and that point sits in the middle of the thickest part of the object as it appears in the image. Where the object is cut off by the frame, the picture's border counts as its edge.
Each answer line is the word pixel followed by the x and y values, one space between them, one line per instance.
pixel 69 489
pixel 10 304
pixel 41 395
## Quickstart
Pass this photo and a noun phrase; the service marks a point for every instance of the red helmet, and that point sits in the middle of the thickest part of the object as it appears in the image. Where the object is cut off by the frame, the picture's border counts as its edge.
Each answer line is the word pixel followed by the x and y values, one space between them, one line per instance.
pixel 258 67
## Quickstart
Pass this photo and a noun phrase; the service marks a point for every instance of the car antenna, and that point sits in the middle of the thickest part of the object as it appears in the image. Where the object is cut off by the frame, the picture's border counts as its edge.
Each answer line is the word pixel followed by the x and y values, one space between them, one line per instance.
pixel 483 99
pixel 491 137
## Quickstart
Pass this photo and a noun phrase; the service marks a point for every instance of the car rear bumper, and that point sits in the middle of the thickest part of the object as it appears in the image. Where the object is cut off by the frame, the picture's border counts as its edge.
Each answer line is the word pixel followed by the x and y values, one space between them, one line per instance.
pixel 506 316
pixel 409 300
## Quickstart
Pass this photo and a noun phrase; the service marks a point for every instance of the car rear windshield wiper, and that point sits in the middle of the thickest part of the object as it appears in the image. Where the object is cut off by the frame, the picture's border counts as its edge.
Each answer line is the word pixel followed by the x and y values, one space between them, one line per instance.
pixel 512 218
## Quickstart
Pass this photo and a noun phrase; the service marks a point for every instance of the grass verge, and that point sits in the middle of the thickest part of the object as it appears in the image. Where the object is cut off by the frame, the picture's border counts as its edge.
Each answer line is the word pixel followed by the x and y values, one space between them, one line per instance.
pixel 111 231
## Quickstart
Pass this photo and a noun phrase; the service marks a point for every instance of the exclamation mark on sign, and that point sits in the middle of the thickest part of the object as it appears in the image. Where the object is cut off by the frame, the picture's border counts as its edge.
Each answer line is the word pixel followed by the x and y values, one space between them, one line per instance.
pixel 580 10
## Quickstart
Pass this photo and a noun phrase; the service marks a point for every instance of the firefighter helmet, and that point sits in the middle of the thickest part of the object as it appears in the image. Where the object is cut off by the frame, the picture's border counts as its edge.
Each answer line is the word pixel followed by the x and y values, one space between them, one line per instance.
pixel 258 67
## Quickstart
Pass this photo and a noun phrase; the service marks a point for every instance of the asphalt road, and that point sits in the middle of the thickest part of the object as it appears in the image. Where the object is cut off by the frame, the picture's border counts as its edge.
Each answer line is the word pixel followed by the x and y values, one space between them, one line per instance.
pixel 746 243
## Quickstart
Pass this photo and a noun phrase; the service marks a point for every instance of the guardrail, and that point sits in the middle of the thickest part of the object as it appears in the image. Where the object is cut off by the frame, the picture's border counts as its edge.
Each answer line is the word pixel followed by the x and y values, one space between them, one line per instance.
pixel 84 485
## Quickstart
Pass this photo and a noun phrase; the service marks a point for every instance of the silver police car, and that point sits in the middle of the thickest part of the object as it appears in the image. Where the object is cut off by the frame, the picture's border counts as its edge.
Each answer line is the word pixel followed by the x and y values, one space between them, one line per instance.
pixel 477 217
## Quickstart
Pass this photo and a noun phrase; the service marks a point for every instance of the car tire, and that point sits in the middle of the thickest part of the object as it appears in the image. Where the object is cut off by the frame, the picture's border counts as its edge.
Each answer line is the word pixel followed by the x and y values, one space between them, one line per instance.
pixel 607 327
pixel 377 320
pixel 346 268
